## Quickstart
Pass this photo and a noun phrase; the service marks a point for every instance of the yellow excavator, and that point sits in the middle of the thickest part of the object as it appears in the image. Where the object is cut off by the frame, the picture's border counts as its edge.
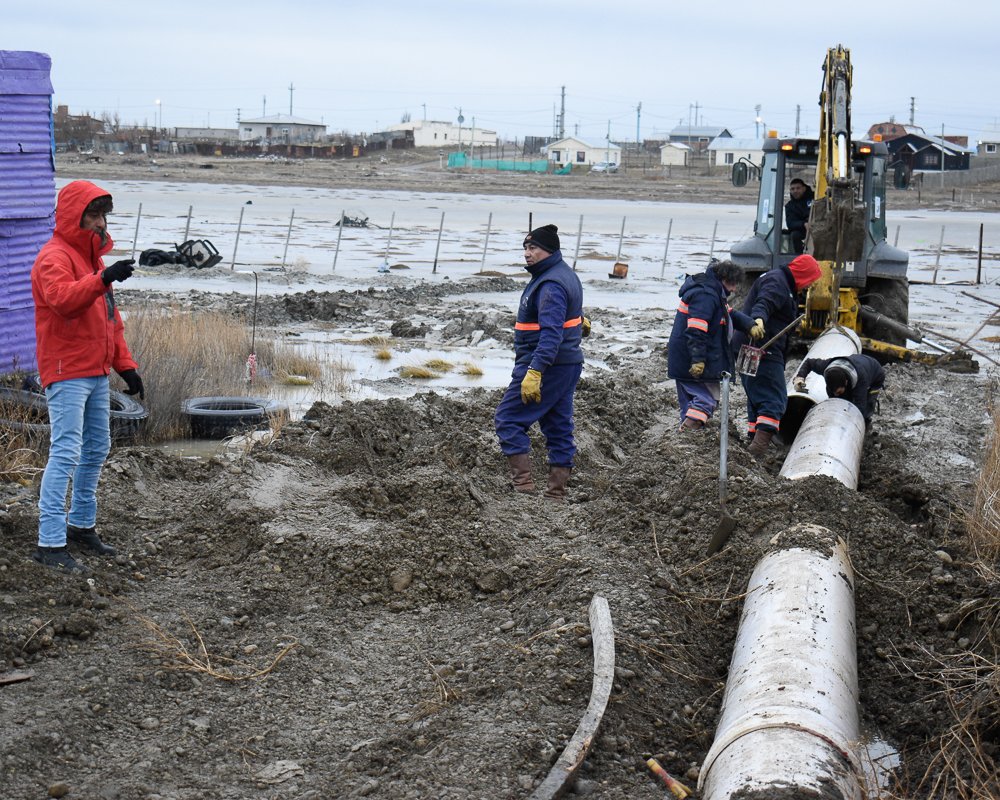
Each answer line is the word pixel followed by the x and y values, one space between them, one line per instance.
pixel 864 285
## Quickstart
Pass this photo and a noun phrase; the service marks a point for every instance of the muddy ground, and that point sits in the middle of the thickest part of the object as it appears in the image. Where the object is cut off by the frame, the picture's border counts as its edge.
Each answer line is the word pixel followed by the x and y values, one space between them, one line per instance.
pixel 362 607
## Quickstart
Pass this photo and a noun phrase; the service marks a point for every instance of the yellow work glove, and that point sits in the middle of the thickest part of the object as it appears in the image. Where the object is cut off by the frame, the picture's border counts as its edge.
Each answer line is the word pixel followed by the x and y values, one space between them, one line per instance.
pixel 757 331
pixel 531 387
pixel 586 327
pixel 697 368
pixel 799 384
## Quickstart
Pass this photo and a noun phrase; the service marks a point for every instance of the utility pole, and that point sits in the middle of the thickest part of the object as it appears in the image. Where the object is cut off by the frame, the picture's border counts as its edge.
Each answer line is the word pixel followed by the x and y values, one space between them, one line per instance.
pixel 425 111
pixel 798 113
pixel 291 89
pixel 913 110
pixel 756 121
pixel 264 112
pixel 638 114
pixel 607 153
pixel 562 115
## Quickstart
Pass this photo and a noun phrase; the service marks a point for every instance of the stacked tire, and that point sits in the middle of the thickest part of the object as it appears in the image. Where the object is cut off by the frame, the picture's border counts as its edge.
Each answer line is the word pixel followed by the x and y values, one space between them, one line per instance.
pixel 219 417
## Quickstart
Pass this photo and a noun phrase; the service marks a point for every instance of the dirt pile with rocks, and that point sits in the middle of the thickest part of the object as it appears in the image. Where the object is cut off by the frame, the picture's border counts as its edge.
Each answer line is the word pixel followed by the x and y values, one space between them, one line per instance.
pixel 363 608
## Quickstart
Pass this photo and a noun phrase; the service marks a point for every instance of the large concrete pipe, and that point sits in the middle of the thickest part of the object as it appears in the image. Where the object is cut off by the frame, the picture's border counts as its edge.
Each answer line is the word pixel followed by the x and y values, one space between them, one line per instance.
pixel 789 719
pixel 833 342
pixel 829 442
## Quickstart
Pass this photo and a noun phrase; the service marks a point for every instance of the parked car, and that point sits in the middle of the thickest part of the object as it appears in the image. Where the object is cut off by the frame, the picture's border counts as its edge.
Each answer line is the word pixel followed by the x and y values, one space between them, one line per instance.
pixel 604 166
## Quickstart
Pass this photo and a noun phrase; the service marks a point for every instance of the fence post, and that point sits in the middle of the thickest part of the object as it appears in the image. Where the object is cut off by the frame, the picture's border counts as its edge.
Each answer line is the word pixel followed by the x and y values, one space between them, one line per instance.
pixel 135 238
pixel 711 247
pixel 979 259
pixel 937 260
pixel 187 227
pixel 239 227
pixel 437 247
pixel 384 267
pixel 288 236
pixel 489 226
pixel 666 247
pixel 579 233
pixel 621 238
pixel 340 232
pixel 895 242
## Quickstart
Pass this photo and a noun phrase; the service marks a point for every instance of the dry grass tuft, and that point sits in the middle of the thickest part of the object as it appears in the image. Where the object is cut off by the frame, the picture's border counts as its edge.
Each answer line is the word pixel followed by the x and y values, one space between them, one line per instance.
pixel 417 372
pixel 472 370
pixel 439 365
pixel 377 341
pixel 193 656
pixel 384 354
pixel 983 521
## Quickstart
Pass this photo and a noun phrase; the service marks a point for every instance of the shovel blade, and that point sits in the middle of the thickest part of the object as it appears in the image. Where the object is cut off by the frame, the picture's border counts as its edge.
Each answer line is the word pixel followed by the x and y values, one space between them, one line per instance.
pixel 722 533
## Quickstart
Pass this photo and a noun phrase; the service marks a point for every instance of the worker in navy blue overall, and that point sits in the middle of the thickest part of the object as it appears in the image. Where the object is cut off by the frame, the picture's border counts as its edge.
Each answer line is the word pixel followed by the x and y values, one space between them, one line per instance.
pixel 698 351
pixel 548 361
pixel 772 304
pixel 857 378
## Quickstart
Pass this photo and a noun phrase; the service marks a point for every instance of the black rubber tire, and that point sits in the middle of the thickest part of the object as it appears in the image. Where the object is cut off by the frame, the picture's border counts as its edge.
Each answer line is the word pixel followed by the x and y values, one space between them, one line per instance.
pixel 219 417
pixel 24 412
pixel 127 413
pixel 891 297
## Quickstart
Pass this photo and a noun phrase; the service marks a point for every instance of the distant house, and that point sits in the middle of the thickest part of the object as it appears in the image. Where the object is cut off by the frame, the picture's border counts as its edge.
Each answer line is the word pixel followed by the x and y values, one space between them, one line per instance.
pixel 922 152
pixel 891 130
pixel 432 133
pixel 281 129
pixel 674 154
pixel 988 144
pixel 207 134
pixel 724 152
pixel 698 137
pixel 578 152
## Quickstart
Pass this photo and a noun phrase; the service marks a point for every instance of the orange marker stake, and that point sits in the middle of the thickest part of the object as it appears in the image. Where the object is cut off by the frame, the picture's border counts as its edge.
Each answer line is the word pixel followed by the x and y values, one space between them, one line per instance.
pixel 677 789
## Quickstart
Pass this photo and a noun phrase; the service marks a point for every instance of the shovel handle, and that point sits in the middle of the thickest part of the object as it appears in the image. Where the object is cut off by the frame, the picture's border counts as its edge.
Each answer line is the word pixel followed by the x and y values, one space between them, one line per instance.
pixel 782 332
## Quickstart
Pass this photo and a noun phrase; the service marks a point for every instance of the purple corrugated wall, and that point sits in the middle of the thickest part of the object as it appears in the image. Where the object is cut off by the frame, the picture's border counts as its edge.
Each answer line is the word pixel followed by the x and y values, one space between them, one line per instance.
pixel 27 196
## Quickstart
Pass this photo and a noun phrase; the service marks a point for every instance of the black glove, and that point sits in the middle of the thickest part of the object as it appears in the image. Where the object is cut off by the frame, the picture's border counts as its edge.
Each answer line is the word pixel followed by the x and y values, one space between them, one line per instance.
pixel 118 271
pixel 131 376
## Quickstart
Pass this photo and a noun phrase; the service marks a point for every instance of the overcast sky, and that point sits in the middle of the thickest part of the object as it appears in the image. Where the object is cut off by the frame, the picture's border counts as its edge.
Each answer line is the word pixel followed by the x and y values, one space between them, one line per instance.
pixel 361 66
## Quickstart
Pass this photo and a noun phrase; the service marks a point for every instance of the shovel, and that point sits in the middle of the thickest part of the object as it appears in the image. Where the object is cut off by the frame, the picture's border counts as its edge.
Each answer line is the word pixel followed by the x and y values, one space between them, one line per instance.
pixel 748 359
pixel 726 523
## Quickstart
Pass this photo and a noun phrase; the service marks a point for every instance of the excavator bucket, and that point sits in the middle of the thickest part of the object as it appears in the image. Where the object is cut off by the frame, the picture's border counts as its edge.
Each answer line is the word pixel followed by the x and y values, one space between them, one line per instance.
pixel 837 225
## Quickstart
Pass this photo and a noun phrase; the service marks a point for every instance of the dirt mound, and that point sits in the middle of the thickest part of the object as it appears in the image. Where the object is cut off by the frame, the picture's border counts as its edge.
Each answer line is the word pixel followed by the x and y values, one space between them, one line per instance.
pixel 416 630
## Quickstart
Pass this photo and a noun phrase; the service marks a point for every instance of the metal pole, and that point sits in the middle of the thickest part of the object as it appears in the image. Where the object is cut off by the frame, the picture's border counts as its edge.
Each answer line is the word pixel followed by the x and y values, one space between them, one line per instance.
pixel 979 259
pixel 388 243
pixel 666 247
pixel 135 238
pixel 288 236
pixel 187 227
pixel 486 242
pixel 437 247
pixel 711 248
pixel 579 233
pixel 621 237
pixel 937 261
pixel 895 242
pixel 340 232
pixel 239 226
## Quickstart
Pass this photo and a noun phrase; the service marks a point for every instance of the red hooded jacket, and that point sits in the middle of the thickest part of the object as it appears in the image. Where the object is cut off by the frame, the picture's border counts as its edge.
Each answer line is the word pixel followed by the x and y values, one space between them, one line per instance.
pixel 78 330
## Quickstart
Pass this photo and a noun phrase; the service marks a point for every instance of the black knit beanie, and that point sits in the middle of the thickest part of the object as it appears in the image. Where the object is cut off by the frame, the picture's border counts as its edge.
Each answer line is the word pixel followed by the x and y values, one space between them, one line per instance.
pixel 840 373
pixel 546 237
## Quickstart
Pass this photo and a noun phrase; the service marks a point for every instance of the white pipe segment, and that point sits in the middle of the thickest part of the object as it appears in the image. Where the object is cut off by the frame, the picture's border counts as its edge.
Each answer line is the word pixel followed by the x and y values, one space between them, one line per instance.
pixel 829 442
pixel 789 718
pixel 831 343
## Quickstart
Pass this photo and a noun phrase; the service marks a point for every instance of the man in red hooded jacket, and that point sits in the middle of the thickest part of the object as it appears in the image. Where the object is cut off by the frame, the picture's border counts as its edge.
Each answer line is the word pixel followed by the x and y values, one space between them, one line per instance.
pixel 79 340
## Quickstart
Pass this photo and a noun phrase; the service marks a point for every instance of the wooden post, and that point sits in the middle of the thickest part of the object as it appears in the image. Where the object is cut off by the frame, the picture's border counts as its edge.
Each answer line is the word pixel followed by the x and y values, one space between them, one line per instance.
pixel 340 232
pixel 437 247
pixel 288 236
pixel 666 247
pixel 579 233
pixel 135 238
pixel 486 242
pixel 236 244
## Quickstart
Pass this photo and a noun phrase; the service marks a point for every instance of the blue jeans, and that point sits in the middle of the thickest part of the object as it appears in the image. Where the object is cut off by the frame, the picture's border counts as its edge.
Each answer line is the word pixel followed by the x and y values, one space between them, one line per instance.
pixel 80 422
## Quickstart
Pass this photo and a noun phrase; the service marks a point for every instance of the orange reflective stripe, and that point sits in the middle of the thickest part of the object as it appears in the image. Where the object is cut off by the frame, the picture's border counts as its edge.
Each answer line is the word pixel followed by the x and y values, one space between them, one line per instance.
pixel 683 307
pixel 776 424
pixel 700 324
pixel 695 413
pixel 534 326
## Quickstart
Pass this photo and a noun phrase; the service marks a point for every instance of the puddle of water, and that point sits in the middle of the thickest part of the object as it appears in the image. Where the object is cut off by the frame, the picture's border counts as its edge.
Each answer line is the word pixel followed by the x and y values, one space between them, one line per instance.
pixel 878 759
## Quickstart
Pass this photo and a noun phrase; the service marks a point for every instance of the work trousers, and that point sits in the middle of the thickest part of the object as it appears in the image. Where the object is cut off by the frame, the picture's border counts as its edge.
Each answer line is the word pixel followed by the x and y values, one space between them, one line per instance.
pixel 767 397
pixel 554 414
pixel 697 399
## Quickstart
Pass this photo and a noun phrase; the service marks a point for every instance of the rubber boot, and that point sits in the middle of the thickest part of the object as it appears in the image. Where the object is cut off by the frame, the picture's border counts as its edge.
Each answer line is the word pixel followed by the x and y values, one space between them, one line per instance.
pixel 761 439
pixel 520 473
pixel 558 478
pixel 692 424
pixel 88 539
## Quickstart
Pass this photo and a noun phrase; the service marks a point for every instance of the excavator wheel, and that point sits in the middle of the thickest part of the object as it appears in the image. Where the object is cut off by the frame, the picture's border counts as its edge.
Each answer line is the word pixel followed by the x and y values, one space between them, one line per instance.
pixel 891 297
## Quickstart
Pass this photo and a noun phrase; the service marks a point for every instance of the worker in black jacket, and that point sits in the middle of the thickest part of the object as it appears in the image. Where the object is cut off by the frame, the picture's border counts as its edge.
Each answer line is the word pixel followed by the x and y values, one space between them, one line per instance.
pixel 857 378
pixel 797 213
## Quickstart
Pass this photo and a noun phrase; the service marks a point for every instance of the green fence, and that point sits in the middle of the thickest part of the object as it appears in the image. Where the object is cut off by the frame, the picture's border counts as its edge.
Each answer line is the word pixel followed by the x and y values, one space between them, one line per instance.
pixel 497 164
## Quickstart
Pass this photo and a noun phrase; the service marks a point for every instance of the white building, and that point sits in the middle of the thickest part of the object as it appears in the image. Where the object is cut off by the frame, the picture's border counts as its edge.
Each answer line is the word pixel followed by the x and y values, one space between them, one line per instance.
pixel 724 152
pixel 675 154
pixel 431 133
pixel 281 129
pixel 580 153
pixel 988 143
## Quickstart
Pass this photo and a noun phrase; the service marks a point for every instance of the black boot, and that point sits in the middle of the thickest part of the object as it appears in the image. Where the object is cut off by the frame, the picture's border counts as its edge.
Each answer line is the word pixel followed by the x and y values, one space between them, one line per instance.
pixel 761 439
pixel 89 540
pixel 58 558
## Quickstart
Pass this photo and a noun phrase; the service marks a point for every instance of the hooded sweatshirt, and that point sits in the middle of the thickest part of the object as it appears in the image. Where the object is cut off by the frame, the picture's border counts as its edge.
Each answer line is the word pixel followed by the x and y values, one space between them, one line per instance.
pixel 78 330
